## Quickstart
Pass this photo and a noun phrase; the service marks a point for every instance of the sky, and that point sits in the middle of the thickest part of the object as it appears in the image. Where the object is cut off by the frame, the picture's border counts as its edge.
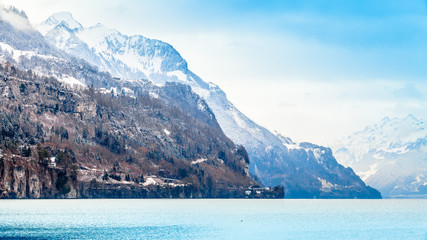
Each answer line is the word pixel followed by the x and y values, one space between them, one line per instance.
pixel 313 70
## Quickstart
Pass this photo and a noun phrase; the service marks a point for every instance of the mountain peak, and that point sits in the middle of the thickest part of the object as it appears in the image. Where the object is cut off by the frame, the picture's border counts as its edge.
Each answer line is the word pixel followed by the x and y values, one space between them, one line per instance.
pixel 60 18
pixel 102 30
pixel 67 19
pixel 389 156
pixel 385 119
pixel 411 117
pixel 391 135
pixel 99 25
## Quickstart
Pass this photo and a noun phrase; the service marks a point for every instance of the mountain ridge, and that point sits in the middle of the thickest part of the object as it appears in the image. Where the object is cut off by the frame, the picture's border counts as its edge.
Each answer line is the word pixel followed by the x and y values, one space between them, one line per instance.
pixel 389 155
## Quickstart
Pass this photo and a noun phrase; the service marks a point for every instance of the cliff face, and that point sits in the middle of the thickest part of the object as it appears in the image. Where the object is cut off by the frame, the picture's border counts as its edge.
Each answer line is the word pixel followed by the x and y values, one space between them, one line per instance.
pixel 26 179
pixel 23 178
pixel 318 176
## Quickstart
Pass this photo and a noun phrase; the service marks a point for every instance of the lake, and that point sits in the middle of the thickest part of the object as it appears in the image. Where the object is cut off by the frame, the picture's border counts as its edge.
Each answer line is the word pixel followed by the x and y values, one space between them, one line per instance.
pixel 213 219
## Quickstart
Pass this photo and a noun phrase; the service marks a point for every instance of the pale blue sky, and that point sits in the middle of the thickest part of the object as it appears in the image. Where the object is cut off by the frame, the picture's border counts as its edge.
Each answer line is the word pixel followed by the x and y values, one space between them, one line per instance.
pixel 313 70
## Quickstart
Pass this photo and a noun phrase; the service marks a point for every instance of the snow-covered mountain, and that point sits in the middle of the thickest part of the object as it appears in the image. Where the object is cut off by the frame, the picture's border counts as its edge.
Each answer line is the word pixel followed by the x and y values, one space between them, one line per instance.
pixel 306 170
pixel 390 156
pixel 134 57
pixel 25 47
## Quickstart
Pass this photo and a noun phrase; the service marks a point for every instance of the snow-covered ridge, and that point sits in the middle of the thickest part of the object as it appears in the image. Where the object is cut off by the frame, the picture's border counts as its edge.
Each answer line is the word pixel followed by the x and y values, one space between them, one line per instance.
pixel 62 18
pixel 390 136
pixel 390 155
pixel 127 57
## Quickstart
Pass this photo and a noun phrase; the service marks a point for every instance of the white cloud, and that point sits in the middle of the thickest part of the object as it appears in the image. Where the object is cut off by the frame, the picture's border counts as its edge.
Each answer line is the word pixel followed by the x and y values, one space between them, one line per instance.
pixel 16 20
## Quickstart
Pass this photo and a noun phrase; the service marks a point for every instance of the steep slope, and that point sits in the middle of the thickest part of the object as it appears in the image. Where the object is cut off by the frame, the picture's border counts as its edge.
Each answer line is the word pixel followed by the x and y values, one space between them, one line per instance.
pixel 61 138
pixel 101 138
pixel 391 156
pixel 136 57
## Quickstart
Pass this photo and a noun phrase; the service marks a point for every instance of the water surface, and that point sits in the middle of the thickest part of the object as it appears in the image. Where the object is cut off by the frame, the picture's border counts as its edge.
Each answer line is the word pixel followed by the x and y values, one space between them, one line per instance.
pixel 213 219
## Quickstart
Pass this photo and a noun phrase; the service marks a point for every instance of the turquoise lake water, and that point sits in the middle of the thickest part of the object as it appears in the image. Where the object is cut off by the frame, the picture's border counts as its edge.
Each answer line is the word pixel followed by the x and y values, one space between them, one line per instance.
pixel 213 219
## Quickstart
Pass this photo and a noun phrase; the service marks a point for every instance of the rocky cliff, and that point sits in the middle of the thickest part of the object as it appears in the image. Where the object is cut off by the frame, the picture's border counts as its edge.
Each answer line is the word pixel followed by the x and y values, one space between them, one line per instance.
pixel 64 141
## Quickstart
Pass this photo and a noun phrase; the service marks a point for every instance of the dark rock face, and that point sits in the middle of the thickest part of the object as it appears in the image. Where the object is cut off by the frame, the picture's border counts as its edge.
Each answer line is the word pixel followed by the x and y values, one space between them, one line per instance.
pixel 20 178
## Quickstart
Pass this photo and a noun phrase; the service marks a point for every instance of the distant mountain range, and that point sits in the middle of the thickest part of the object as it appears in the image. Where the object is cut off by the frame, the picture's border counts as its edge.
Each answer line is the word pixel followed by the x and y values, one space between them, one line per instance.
pixel 76 55
pixel 390 156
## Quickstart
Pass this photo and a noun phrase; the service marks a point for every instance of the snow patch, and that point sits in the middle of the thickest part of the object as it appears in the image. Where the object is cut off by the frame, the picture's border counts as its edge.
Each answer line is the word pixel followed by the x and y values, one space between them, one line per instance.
pixel 420 179
pixel 201 106
pixel 238 119
pixel 326 184
pixel 203 93
pixel 71 81
pixel 127 91
pixel 200 160
pixel 17 54
pixel 112 90
pixel 364 175
pixel 149 181
pixel 179 75
pixel 153 95
pixel 167 132
pixel 292 146
pixel 318 153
